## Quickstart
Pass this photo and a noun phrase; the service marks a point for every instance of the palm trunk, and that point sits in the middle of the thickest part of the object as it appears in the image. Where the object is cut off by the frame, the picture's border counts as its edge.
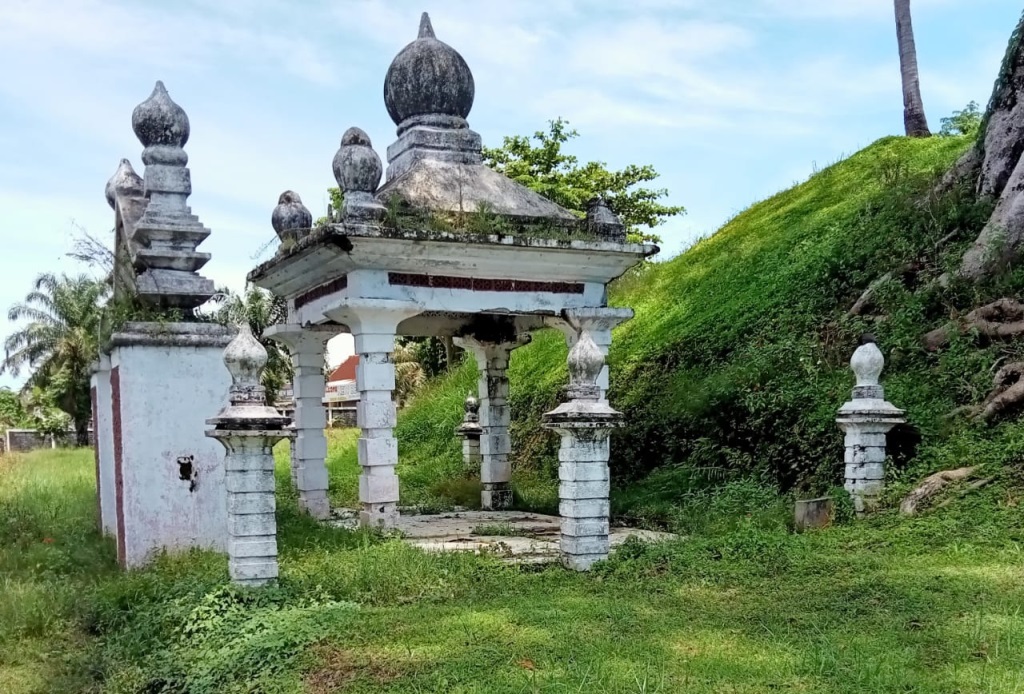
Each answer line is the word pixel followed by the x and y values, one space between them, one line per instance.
pixel 914 121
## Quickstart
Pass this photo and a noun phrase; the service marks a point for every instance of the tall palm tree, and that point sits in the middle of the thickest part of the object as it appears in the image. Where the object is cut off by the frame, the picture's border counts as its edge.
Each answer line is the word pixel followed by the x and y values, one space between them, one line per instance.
pixel 260 309
pixel 59 343
pixel 914 121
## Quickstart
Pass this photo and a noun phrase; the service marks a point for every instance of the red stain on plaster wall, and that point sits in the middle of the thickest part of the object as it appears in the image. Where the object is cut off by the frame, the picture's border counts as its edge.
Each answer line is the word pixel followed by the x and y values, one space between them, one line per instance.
pixel 115 414
pixel 96 455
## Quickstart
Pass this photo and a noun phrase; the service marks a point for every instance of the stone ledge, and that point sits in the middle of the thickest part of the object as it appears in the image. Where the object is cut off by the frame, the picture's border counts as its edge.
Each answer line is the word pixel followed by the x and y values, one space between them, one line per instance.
pixel 177 334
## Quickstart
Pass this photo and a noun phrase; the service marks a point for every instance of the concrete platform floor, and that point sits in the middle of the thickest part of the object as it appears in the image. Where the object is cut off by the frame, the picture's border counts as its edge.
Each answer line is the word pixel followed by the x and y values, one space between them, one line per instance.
pixel 518 536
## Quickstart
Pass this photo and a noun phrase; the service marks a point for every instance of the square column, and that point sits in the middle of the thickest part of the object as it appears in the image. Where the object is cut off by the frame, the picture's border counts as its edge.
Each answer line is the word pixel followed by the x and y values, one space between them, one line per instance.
pixel 103 435
pixel 309 448
pixel 495 417
pixel 583 490
pixel 374 325
pixel 165 379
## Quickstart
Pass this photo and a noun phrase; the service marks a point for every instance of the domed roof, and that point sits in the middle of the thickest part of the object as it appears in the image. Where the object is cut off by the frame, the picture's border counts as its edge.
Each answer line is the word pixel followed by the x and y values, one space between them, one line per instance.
pixel 428 77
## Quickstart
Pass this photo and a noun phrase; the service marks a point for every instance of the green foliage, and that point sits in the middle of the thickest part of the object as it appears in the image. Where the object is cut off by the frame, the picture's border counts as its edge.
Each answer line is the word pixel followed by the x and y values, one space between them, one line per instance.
pixel 12 413
pixel 59 341
pixel 965 122
pixel 540 164
pixel 929 605
pixel 737 358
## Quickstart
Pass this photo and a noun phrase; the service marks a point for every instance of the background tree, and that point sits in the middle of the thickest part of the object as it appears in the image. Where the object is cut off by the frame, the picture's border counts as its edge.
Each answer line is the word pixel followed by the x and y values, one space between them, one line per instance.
pixel 409 375
pixel 260 309
pixel 914 122
pixel 59 342
pixel 12 413
pixel 539 163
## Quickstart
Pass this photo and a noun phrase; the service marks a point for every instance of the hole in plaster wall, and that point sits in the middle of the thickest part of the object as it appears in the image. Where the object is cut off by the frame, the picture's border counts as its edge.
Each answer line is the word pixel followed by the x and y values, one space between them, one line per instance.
pixel 187 471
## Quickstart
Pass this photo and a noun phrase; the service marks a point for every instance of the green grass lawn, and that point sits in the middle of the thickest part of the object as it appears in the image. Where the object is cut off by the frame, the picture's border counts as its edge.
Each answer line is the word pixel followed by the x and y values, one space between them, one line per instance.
pixel 931 604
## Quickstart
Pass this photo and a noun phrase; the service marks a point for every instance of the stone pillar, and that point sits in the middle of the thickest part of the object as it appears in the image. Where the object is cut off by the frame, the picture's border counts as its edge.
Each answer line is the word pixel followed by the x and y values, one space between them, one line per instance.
pixel 584 423
pixel 469 431
pixel 373 324
pixel 866 419
pixel 309 449
pixel 168 476
pixel 103 443
pixel 495 417
pixel 248 428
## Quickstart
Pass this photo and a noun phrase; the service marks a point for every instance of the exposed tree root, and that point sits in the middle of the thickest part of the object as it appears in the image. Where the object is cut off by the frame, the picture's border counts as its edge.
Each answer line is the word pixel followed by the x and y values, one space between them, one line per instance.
pixel 976 484
pixel 1007 392
pixel 931 486
pixel 999 320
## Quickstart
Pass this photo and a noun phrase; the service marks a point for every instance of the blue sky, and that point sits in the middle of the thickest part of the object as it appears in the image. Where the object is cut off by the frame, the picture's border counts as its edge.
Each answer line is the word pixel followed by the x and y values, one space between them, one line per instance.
pixel 730 100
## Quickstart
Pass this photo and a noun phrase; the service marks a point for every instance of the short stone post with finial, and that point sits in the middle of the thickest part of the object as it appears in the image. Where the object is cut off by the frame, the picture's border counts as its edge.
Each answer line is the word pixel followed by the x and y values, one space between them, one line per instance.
pixel 248 428
pixel 584 423
pixel 470 431
pixel 866 419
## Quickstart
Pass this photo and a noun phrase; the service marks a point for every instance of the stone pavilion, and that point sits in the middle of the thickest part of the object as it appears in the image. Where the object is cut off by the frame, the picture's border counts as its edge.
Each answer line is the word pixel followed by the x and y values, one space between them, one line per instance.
pixel 438 244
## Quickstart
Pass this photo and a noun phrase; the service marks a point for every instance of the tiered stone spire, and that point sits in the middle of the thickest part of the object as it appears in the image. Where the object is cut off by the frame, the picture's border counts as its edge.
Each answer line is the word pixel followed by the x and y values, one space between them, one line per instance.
pixel 165 238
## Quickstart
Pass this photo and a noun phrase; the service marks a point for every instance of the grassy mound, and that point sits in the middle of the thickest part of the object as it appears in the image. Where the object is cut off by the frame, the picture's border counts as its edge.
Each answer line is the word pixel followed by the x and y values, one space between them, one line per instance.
pixel 736 361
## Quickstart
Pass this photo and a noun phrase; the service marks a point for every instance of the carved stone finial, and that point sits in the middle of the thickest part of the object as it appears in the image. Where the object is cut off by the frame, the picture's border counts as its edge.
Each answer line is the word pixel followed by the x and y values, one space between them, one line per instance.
pixel 429 78
pixel 158 121
pixel 358 170
pixel 124 181
pixel 603 223
pixel 472 408
pixel 290 216
pixel 867 363
pixel 585 364
pixel 245 358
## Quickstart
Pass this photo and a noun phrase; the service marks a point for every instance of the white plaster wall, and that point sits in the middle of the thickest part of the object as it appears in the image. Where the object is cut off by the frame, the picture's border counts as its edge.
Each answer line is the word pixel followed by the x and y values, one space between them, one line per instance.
pixel 166 395
pixel 104 442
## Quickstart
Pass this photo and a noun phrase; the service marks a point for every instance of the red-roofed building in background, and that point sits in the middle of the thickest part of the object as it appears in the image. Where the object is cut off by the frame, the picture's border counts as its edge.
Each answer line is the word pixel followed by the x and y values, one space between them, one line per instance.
pixel 340 394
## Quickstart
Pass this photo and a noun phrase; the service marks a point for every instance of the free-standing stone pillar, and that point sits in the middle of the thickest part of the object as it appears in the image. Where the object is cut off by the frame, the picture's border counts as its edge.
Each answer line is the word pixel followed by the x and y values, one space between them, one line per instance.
pixel 248 428
pixel 584 423
pixel 373 324
pixel 866 419
pixel 103 443
pixel 495 417
pixel 309 450
pixel 470 431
